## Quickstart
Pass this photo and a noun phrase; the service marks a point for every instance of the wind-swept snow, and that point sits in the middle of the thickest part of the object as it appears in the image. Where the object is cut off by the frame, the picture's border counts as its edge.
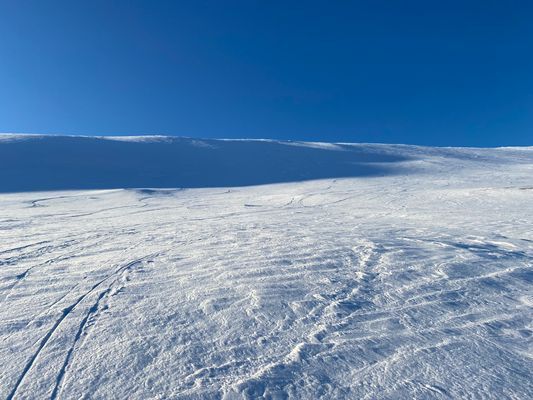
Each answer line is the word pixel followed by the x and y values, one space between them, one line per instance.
pixel 409 283
pixel 33 163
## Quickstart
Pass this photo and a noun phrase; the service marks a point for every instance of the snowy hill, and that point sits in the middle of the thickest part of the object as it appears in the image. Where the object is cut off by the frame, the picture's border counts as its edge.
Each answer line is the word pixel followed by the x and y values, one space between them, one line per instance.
pixel 34 162
pixel 263 269
pixel 63 162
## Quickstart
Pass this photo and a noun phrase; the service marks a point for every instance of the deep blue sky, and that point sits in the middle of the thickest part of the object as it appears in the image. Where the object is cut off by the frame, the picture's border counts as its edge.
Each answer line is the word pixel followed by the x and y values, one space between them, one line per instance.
pixel 423 72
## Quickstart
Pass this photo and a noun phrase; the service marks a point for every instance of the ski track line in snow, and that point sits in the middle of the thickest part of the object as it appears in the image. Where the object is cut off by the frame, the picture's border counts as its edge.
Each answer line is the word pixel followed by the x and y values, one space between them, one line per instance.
pixel 58 322
pixel 93 310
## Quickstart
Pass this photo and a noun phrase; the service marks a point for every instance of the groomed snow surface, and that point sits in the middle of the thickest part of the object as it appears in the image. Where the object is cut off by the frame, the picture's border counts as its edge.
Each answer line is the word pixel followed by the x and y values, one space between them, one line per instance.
pixel 412 283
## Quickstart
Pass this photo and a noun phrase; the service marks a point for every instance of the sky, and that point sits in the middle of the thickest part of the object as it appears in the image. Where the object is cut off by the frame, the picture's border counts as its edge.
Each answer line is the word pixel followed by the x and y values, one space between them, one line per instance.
pixel 444 73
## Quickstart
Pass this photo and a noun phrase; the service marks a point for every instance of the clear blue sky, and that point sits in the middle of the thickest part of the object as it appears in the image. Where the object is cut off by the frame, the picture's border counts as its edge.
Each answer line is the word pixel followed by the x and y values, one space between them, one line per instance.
pixel 423 72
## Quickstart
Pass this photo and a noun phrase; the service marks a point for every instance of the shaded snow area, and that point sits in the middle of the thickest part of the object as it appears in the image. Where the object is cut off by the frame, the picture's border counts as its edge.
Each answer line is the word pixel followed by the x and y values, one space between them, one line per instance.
pixel 32 162
pixel 411 283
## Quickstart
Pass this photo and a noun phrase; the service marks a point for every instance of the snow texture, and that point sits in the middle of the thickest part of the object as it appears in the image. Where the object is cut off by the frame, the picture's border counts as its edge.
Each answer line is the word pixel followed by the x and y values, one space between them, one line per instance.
pixel 406 273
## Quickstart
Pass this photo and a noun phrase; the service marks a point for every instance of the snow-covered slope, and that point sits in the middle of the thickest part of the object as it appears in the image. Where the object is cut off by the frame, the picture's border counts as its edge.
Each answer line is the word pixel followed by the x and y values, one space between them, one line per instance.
pixel 32 162
pixel 405 275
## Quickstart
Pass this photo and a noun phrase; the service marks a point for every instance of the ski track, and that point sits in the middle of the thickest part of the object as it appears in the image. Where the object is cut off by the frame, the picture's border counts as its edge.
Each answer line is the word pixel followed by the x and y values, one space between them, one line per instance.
pixel 92 311
pixel 65 313
pixel 394 287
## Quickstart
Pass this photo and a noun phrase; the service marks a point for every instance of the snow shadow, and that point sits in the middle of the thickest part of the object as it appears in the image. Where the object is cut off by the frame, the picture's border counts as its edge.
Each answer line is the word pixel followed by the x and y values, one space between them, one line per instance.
pixel 39 163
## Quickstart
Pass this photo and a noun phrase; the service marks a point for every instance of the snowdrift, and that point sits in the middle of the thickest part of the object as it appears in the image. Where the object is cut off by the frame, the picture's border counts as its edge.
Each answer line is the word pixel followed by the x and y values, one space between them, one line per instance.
pixel 42 163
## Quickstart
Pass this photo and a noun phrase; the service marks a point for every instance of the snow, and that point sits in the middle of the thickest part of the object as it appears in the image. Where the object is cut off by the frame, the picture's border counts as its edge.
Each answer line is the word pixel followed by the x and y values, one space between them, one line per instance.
pixel 142 139
pixel 40 163
pixel 414 282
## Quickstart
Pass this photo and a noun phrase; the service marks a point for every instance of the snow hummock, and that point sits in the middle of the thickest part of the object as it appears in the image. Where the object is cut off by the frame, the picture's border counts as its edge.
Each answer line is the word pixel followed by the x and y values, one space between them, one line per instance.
pixel 411 282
